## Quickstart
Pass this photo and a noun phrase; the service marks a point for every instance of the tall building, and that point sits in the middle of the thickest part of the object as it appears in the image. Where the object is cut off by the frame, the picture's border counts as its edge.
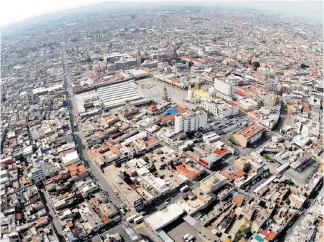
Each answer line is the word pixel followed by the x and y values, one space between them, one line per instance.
pixel 224 89
pixel 197 82
pixel 190 122
pixel 139 58
pixel 165 96
pixel 37 175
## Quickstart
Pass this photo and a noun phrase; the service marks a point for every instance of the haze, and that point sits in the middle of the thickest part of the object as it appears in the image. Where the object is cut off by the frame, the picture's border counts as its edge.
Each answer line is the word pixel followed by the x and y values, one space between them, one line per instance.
pixel 19 10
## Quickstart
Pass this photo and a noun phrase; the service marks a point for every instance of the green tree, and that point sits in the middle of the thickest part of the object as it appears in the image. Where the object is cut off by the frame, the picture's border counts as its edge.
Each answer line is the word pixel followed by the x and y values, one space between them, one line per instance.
pixel 289 182
pixel 304 66
pixel 243 232
pixel 256 64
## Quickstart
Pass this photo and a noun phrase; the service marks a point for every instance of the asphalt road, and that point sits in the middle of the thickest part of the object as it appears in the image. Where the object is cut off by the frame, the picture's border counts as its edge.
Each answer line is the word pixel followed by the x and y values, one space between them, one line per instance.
pixel 55 220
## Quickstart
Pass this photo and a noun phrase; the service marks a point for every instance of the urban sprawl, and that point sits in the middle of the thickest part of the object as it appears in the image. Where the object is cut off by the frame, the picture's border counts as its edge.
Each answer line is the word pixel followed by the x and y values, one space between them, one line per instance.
pixel 162 124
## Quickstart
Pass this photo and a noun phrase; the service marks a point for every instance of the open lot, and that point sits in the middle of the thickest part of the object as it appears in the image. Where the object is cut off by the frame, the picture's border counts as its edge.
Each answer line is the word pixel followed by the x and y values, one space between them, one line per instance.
pixel 153 89
pixel 301 178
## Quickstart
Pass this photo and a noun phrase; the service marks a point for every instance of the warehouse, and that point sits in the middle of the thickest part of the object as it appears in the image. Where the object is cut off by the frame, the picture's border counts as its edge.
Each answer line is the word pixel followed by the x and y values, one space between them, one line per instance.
pixel 116 95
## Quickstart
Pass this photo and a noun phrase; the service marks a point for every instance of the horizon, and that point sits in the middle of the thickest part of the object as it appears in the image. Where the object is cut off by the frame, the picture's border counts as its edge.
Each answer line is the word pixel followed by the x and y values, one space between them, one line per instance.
pixel 307 11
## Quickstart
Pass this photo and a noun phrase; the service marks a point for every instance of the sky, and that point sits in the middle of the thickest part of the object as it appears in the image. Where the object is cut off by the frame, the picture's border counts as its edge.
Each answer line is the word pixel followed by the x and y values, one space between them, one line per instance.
pixel 18 10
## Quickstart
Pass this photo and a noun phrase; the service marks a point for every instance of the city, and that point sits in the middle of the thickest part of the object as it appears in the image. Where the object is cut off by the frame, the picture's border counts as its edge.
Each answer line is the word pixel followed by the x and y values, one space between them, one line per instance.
pixel 162 123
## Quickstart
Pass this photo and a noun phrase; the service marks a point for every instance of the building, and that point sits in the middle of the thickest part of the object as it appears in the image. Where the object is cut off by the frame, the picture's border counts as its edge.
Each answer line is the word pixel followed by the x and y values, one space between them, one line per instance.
pixel 223 110
pixel 224 87
pixel 190 122
pixel 248 135
pixel 212 183
pixel 37 175
pixel 70 158
pixel 162 218
pixel 130 196
pixel 248 104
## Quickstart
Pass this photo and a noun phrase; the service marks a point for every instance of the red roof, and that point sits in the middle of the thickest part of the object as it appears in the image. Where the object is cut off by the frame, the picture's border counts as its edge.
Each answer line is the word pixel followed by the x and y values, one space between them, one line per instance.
pixel 202 161
pixel 269 235
pixel 168 118
pixel 114 149
pixel 221 151
pixel 151 141
pixel 105 219
pixel 181 109
pixel 41 221
pixel 183 170
pixel 18 216
pixel 232 104
pixel 238 199
pixel 239 174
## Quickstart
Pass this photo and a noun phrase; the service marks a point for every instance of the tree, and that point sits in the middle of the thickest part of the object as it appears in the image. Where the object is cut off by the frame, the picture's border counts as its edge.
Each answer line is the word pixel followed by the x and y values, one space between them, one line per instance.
pixel 289 182
pixel 243 232
pixel 303 66
pixel 256 64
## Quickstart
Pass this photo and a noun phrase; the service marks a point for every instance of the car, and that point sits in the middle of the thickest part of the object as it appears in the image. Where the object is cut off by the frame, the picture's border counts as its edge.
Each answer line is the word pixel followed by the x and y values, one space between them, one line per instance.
pixel 190 238
pixel 185 237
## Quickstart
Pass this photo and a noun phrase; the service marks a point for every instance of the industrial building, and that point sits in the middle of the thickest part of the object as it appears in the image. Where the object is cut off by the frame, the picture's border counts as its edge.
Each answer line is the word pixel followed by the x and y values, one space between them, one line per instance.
pixel 116 95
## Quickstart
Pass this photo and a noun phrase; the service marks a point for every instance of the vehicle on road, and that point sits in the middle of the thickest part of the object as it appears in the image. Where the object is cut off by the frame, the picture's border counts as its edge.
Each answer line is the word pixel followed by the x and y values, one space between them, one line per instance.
pixel 184 188
pixel 130 219
pixel 138 220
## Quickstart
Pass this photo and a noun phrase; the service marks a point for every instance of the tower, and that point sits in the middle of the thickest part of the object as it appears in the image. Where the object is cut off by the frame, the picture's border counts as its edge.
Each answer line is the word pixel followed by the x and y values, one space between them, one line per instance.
pixel 165 97
pixel 139 58
pixel 197 82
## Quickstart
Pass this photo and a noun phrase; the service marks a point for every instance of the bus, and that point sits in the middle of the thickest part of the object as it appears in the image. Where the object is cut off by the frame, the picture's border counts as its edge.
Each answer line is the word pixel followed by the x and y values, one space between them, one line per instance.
pixel 138 219
pixel 130 219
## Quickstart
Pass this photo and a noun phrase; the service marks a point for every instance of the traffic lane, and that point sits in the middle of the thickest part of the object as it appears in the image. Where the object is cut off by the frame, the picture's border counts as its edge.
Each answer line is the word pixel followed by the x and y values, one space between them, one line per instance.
pixel 52 213
pixel 96 172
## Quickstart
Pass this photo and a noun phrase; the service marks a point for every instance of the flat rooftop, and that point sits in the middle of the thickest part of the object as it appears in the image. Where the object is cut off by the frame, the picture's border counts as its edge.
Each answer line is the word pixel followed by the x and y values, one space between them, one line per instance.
pixel 164 217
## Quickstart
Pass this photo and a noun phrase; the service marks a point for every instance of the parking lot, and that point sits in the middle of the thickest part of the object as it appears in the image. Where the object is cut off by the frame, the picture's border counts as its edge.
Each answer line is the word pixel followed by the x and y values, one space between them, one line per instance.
pixel 178 229
pixel 226 126
pixel 301 178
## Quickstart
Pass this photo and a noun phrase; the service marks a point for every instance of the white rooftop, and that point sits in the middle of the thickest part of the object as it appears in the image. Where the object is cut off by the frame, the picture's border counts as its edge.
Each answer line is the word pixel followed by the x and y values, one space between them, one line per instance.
pixel 164 217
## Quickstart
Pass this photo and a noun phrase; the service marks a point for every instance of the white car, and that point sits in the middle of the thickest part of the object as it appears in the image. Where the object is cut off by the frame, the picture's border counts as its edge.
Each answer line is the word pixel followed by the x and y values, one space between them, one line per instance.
pixel 190 238
pixel 186 236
